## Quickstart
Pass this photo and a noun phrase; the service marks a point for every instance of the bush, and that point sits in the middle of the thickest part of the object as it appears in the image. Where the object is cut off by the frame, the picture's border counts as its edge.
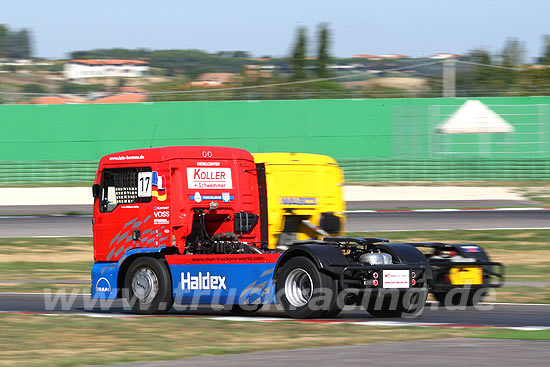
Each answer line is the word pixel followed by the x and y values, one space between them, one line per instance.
pixel 34 88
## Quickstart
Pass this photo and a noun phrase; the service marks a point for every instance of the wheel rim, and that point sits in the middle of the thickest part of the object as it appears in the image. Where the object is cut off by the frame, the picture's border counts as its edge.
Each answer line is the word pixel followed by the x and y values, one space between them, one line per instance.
pixel 298 287
pixel 145 284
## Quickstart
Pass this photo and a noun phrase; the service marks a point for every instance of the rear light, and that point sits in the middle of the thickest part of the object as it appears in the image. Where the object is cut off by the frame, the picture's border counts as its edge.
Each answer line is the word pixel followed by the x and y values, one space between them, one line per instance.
pixel 375 275
pixel 375 282
pixel 413 282
pixel 413 274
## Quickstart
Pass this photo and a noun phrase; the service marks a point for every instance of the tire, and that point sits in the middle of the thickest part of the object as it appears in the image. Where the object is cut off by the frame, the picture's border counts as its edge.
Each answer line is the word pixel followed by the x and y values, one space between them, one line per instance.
pixel 148 286
pixel 333 312
pixel 413 307
pixel 473 298
pixel 305 292
pixel 244 310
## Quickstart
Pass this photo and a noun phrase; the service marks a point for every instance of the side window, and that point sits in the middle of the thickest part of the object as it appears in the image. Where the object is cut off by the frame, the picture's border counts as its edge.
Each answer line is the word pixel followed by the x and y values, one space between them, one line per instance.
pixel 124 186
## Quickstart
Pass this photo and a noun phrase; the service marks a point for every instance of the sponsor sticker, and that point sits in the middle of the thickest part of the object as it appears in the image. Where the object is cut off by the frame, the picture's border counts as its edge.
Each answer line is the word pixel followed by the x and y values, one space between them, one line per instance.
pixel 471 248
pixel 395 279
pixel 202 281
pixel 225 197
pixel 208 164
pixel 126 157
pixel 209 178
pixel 297 200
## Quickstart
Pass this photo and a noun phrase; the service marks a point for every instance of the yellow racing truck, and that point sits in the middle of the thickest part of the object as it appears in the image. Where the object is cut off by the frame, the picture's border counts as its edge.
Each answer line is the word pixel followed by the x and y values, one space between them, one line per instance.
pixel 305 201
pixel 304 196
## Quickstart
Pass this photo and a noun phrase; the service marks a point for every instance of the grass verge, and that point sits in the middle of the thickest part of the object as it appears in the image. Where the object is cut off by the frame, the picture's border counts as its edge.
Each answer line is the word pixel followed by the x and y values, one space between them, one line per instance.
pixel 68 340
pixel 525 253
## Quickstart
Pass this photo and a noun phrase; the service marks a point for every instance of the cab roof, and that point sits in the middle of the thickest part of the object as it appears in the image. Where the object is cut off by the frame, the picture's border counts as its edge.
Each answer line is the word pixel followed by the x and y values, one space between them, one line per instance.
pixel 293 158
pixel 149 155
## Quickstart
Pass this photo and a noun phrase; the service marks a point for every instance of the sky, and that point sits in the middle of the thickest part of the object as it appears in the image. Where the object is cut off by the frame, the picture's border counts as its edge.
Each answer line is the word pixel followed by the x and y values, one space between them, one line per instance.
pixel 414 28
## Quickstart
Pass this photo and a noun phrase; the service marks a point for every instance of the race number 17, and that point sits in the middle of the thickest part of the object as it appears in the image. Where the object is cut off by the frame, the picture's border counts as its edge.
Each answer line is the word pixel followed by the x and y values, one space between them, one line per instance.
pixel 144 184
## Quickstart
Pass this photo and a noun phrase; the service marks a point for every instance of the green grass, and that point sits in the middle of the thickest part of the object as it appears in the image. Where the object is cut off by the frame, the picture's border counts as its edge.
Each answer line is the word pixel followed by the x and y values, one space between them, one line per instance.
pixel 515 334
pixel 525 253
pixel 69 340
pixel 45 270
pixel 51 245
pixel 537 237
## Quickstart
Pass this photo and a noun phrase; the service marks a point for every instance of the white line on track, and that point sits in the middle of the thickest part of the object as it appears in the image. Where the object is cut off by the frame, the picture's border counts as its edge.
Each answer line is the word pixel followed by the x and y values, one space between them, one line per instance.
pixel 427 302
pixel 43 216
pixel 451 229
pixel 441 210
pixel 309 321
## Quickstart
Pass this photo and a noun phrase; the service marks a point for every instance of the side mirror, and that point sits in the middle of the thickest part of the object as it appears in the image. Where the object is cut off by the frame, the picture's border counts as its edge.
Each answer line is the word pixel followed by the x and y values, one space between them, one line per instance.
pixel 95 190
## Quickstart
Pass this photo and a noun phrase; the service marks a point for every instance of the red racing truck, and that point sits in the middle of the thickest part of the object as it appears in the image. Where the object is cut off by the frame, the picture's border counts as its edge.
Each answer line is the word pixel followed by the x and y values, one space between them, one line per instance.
pixel 189 225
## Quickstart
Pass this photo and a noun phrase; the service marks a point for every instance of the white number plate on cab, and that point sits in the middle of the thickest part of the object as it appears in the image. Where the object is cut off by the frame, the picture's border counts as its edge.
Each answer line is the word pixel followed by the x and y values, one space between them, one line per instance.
pixel 395 279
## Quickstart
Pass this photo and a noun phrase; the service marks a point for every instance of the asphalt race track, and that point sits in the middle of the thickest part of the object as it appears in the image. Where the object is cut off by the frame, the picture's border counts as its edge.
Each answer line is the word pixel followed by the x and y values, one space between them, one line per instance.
pixel 505 315
pixel 28 226
pixel 439 220
pixel 455 352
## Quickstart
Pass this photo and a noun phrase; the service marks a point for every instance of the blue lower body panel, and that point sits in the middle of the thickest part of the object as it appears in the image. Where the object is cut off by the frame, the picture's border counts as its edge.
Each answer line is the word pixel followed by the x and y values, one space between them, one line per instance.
pixel 223 284
pixel 104 280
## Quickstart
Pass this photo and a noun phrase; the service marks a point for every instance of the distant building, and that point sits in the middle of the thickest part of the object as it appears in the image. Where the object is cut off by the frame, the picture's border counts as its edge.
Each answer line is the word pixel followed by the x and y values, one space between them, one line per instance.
pixel 367 56
pixel 443 56
pixel 393 56
pixel 379 57
pixel 82 69
pixel 213 79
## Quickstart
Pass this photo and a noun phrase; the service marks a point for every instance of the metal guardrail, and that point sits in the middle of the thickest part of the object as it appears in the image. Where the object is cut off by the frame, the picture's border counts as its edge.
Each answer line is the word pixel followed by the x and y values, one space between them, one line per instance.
pixel 46 172
pixel 355 170
pixel 475 169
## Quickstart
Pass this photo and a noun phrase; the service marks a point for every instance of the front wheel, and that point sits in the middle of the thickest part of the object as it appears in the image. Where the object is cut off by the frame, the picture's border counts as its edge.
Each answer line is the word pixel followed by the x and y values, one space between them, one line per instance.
pixel 305 292
pixel 148 286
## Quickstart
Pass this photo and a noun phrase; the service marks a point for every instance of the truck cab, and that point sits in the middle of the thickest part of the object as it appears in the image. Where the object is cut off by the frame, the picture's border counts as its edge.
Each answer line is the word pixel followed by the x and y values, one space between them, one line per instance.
pixel 304 197
pixel 174 198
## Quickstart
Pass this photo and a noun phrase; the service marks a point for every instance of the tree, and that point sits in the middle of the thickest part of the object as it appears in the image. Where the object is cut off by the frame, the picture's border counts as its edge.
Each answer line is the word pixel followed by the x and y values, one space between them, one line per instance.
pixel 3 31
pixel 26 44
pixel 483 76
pixel 512 56
pixel 323 56
pixel 513 53
pixel 34 88
pixel 299 54
pixel 17 44
pixel 545 58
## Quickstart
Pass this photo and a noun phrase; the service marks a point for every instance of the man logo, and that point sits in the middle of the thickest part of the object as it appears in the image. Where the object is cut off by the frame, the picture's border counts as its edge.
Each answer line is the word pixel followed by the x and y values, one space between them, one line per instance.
pixel 103 285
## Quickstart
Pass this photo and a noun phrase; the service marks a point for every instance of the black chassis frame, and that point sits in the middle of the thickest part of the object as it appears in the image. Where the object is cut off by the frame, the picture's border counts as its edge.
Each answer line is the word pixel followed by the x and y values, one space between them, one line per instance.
pixel 328 257
pixel 441 267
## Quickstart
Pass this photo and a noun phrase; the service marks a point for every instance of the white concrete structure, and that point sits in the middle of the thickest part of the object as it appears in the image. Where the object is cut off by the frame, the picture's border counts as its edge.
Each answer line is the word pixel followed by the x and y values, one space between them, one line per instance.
pixel 82 69
pixel 473 117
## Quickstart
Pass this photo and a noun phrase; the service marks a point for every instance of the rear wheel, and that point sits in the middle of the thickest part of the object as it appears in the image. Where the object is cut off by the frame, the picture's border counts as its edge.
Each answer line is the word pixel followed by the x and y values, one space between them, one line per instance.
pixel 304 291
pixel 148 286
